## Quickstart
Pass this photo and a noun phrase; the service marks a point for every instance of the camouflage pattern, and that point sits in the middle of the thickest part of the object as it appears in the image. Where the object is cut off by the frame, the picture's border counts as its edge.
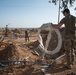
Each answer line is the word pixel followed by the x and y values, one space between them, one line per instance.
pixel 69 22
pixel 69 45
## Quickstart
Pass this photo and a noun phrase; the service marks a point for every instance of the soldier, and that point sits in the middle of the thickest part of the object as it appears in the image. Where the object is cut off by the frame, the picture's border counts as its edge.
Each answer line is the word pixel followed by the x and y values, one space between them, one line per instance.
pixel 69 22
pixel 6 30
pixel 26 36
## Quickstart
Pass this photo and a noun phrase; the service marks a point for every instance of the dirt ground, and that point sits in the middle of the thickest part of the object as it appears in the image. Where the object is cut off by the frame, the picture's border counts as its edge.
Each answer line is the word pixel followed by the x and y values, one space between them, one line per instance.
pixel 17 49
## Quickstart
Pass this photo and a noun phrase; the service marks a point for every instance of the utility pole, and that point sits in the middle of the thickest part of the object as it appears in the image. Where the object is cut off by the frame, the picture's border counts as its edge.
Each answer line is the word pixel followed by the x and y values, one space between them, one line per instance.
pixel 59 11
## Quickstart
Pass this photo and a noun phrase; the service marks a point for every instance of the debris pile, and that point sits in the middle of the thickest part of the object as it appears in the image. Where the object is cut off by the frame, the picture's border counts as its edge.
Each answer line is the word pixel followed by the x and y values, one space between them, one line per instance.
pixel 52 44
pixel 9 53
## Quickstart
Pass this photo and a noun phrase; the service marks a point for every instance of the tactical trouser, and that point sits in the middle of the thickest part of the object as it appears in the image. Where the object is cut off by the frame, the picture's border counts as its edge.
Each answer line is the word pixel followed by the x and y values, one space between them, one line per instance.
pixel 68 45
pixel 26 38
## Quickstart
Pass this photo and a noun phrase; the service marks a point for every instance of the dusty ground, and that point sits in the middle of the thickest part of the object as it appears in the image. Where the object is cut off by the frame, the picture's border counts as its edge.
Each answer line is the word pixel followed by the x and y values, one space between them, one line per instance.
pixel 18 49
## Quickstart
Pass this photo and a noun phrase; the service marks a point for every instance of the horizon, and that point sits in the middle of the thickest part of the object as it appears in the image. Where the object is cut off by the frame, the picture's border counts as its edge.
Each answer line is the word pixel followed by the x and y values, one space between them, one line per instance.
pixel 29 13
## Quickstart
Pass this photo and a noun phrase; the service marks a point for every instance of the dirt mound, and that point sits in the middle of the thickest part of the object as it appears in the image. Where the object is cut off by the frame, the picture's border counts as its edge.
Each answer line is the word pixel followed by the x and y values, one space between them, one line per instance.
pixel 9 53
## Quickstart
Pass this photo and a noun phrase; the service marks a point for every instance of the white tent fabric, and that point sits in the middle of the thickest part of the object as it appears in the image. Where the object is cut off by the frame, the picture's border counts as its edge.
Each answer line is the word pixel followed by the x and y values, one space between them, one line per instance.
pixel 50 29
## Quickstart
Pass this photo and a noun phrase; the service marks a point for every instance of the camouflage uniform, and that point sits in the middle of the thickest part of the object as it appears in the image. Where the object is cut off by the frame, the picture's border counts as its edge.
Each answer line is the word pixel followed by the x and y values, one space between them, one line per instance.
pixel 26 36
pixel 6 31
pixel 69 23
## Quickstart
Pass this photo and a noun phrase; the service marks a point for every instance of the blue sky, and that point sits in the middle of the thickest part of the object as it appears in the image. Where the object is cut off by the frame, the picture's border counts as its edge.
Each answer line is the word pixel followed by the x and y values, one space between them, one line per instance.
pixel 28 13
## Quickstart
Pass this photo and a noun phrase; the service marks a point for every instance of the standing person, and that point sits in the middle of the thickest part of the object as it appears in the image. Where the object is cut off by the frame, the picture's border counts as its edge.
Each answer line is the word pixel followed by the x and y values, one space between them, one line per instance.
pixel 69 22
pixel 6 30
pixel 26 36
